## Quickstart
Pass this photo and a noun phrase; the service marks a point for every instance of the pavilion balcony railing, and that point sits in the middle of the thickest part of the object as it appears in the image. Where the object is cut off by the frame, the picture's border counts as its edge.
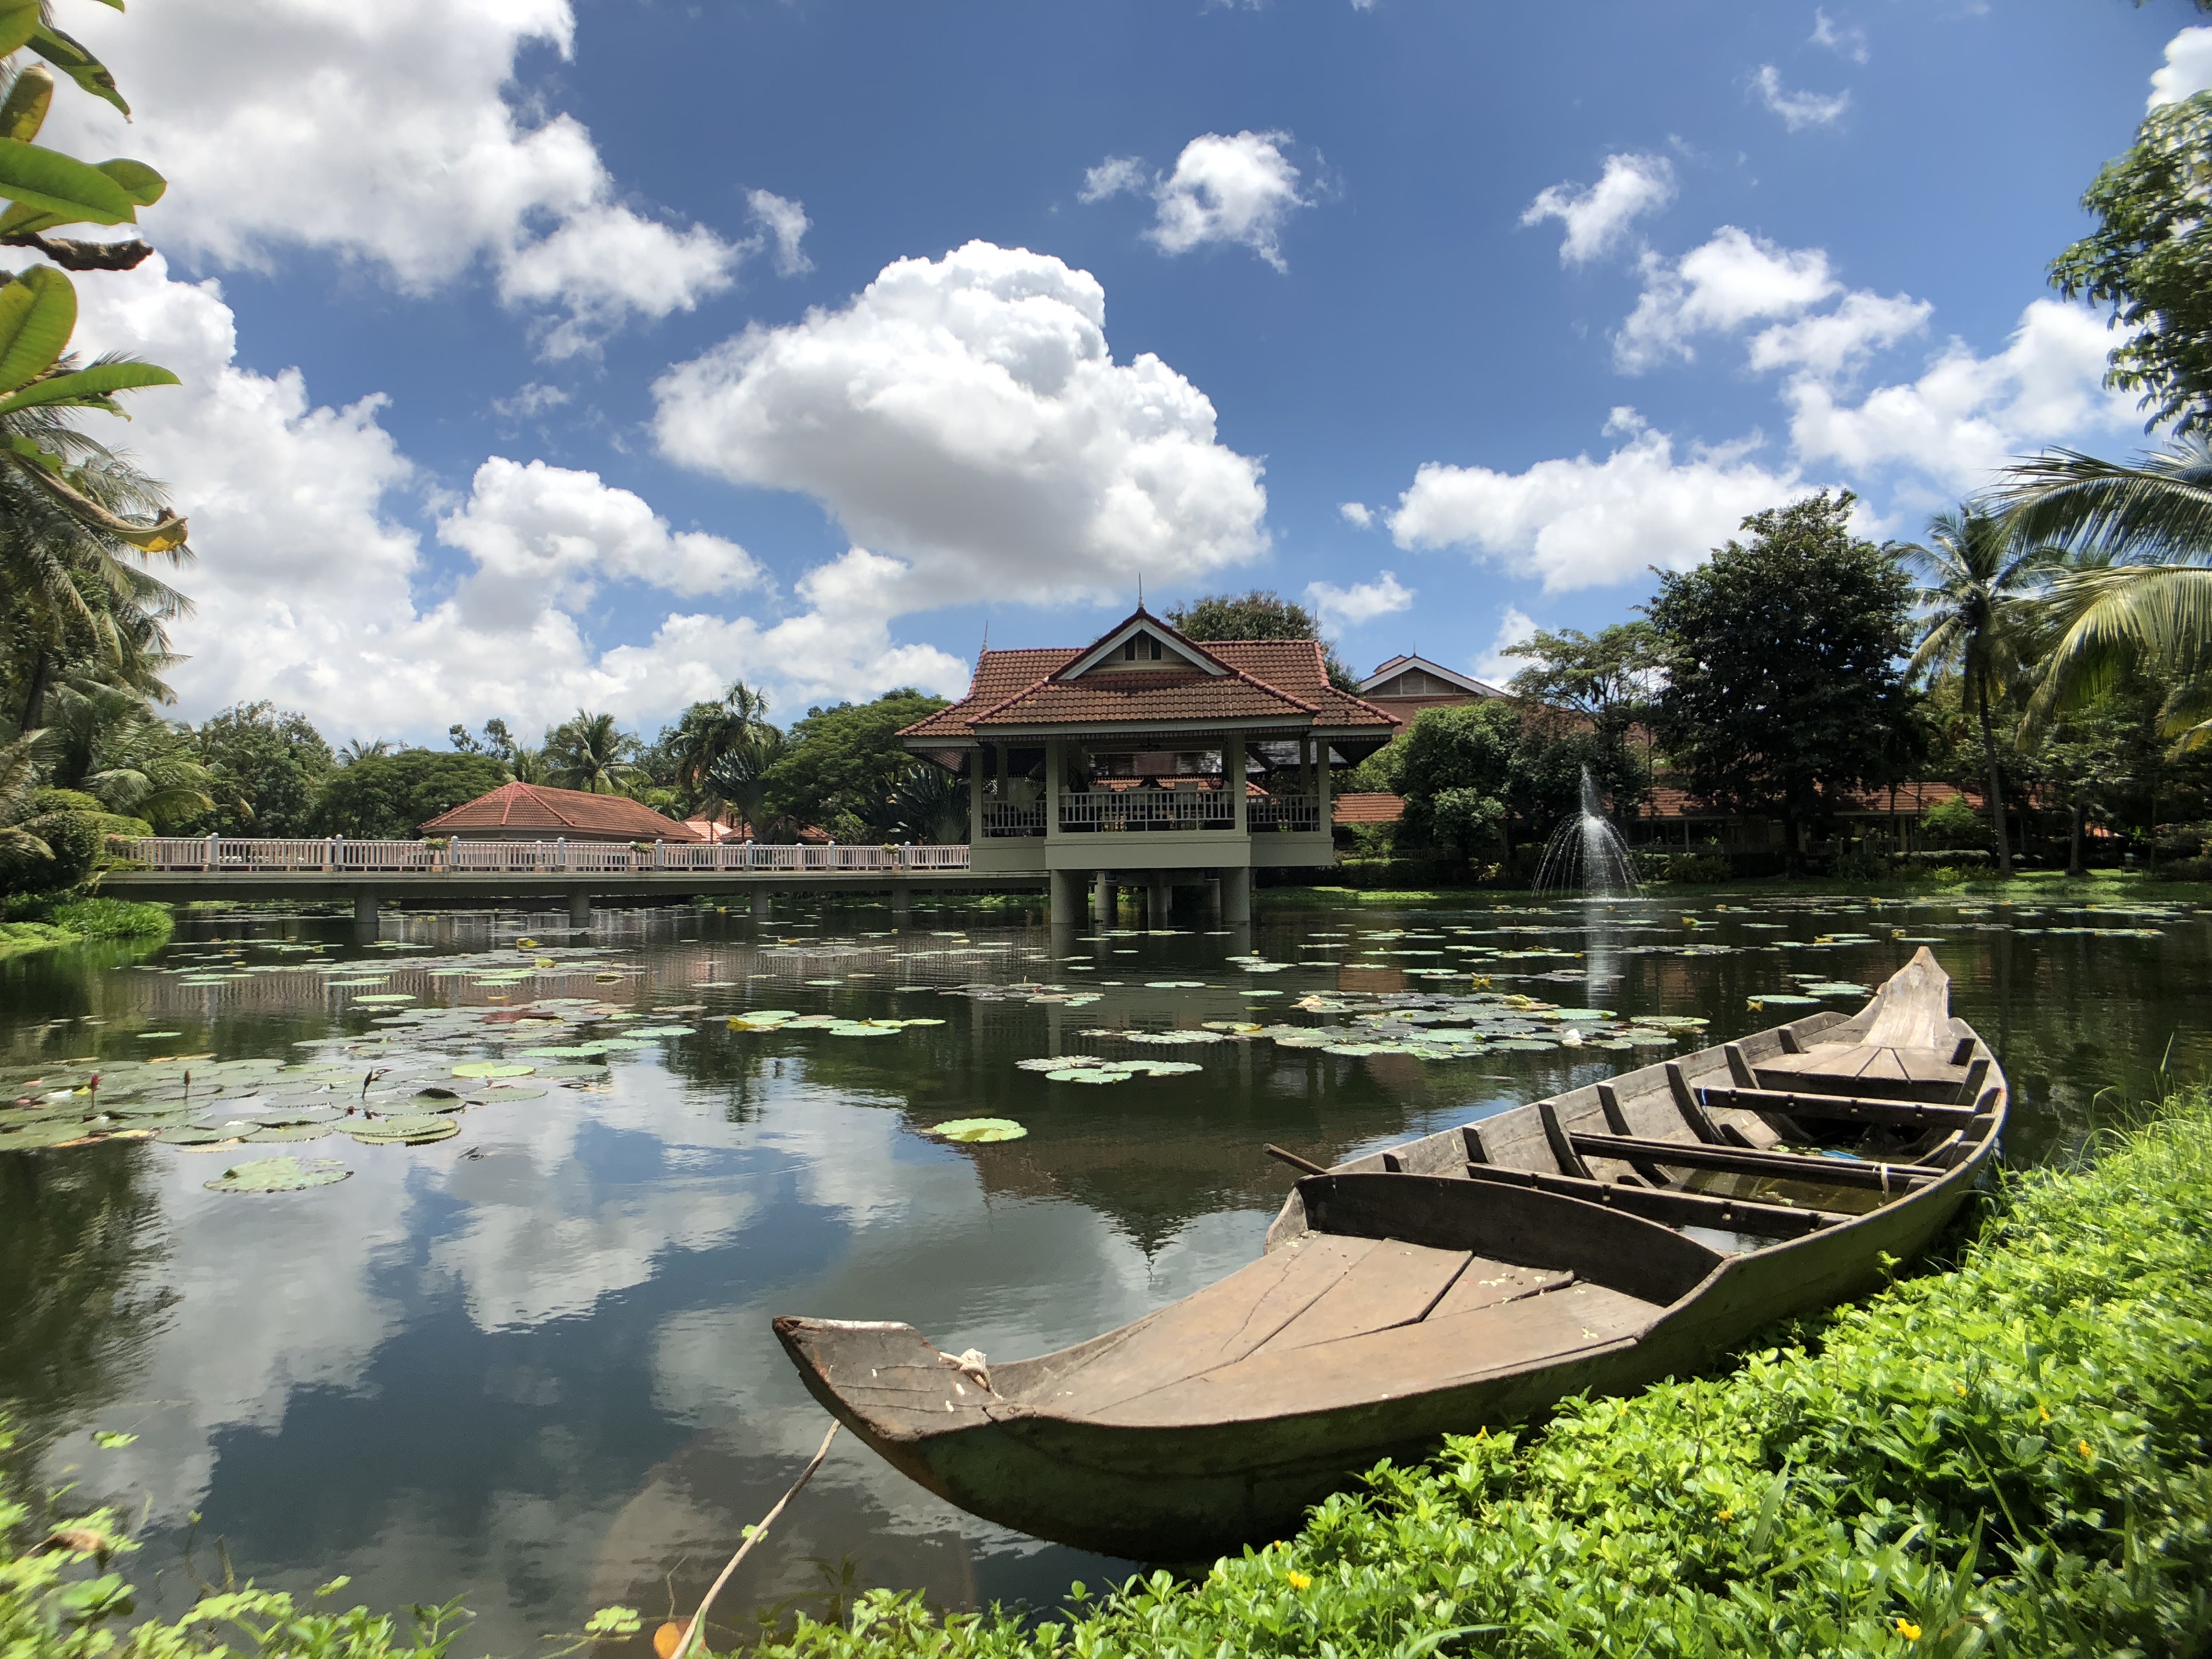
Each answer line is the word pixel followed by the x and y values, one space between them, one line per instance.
pixel 1003 821
pixel 1087 810
pixel 339 856
pixel 1282 812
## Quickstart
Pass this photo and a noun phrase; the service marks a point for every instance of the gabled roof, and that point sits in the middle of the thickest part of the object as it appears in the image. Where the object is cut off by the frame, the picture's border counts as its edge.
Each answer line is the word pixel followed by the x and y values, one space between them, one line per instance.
pixel 1280 684
pixel 534 807
pixel 1397 665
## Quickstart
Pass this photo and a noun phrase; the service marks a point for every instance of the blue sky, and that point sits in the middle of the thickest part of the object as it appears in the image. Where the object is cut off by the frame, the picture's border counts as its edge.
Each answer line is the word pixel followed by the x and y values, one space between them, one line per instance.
pixel 549 353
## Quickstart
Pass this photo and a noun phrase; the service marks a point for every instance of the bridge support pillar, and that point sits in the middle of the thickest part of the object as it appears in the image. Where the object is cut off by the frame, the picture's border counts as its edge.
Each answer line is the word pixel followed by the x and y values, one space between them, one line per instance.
pixel 366 903
pixel 902 903
pixel 1101 899
pixel 1067 904
pixel 1159 895
pixel 1213 898
pixel 763 905
pixel 1236 897
pixel 579 910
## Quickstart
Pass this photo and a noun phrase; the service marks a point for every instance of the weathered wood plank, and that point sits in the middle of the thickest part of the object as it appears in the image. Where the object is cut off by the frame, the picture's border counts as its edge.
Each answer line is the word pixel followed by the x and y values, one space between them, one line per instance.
pixel 1845 1107
pixel 1794 1166
pixel 1915 1009
pixel 1394 1284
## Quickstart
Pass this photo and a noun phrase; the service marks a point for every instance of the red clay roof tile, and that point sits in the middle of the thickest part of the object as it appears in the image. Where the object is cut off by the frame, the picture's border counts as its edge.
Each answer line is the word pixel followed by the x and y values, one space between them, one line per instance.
pixel 533 812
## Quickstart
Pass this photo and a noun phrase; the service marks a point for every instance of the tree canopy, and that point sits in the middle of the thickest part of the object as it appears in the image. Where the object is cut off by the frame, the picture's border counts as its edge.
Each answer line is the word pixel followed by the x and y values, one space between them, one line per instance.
pixel 843 769
pixel 390 797
pixel 1499 767
pixel 1261 614
pixel 2150 259
pixel 273 765
pixel 1782 661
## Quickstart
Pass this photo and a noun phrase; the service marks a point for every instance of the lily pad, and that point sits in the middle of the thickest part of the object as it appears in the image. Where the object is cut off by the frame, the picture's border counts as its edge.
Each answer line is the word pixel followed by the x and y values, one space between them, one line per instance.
pixel 290 1131
pixel 1081 1074
pixel 407 1129
pixel 278 1174
pixel 492 1068
pixel 977 1129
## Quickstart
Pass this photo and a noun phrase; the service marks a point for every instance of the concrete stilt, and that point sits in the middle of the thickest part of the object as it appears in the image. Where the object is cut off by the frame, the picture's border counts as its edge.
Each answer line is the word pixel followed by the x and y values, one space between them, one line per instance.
pixel 1158 894
pixel 1236 896
pixel 902 903
pixel 365 907
pixel 1213 898
pixel 580 909
pixel 1066 898
pixel 763 905
pixel 1101 899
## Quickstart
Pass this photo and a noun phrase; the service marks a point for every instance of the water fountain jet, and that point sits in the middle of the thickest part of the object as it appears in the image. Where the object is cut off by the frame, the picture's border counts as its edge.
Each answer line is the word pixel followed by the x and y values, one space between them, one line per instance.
pixel 1587 853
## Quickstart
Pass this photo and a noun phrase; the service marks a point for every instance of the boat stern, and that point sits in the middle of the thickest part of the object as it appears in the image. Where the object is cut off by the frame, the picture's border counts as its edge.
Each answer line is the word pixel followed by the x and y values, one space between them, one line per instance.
pixel 890 1385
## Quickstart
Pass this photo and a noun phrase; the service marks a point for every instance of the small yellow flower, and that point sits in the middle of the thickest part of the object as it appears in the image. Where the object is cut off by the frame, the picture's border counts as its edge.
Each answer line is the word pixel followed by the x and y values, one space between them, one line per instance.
pixel 1959 1388
pixel 1908 1629
pixel 1727 1515
pixel 2082 1446
pixel 1300 1581
pixel 2043 1412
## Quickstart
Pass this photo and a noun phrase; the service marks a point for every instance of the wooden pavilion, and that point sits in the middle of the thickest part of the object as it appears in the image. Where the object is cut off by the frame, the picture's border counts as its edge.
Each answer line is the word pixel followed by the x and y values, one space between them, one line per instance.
pixel 1147 757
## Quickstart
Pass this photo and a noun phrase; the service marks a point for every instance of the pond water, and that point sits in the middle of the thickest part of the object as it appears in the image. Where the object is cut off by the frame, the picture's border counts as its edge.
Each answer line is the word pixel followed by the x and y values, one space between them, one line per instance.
pixel 530 1364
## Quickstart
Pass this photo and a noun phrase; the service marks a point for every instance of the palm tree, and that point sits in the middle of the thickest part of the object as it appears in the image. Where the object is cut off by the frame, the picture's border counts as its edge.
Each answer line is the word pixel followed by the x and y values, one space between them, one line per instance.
pixel 2140 532
pixel 136 765
pixel 737 782
pixel 931 804
pixel 80 599
pixel 356 749
pixel 707 731
pixel 22 765
pixel 1974 621
pixel 592 752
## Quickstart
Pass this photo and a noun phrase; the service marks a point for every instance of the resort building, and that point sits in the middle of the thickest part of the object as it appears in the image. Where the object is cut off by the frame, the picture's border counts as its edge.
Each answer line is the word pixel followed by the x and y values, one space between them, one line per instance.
pixel 530 811
pixel 1146 757
pixel 1404 686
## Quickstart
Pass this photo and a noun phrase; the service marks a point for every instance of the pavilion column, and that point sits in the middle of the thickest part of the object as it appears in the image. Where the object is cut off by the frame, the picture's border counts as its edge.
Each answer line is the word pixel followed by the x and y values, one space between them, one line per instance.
pixel 1232 768
pixel 1102 899
pixel 1055 763
pixel 1320 782
pixel 976 796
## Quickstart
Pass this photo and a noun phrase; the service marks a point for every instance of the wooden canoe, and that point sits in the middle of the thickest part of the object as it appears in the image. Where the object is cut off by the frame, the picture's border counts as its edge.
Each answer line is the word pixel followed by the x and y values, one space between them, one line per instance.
pixel 1600 1240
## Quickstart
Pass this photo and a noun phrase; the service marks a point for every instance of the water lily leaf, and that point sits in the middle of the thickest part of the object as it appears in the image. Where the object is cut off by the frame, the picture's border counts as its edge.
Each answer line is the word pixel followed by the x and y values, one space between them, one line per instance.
pixel 1087 1074
pixel 976 1129
pixel 662 1031
pixel 387 996
pixel 407 1129
pixel 277 1175
pixel 290 1131
pixel 492 1068
pixel 189 1134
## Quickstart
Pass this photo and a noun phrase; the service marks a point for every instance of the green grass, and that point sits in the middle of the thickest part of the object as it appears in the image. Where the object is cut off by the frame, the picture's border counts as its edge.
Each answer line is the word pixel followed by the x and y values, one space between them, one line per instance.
pixel 2005 1456
pixel 75 922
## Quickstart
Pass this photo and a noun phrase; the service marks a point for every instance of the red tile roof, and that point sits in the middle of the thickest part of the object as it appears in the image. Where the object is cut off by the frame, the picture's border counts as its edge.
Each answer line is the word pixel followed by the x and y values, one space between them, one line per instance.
pixel 533 812
pixel 1280 680
pixel 1377 808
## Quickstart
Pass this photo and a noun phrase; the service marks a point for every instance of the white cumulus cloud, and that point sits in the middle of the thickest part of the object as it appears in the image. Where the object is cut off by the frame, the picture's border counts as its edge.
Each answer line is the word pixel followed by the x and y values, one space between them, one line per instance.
pixel 2187 69
pixel 787 224
pixel 1733 279
pixel 1357 513
pixel 1350 607
pixel 1598 216
pixel 1514 626
pixel 1798 110
pixel 383 133
pixel 1967 416
pixel 1239 190
pixel 313 591
pixel 1577 522
pixel 964 419
pixel 1835 341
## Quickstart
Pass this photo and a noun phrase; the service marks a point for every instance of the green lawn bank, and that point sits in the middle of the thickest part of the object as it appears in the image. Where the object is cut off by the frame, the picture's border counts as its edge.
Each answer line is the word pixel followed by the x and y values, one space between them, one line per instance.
pixel 2005 1457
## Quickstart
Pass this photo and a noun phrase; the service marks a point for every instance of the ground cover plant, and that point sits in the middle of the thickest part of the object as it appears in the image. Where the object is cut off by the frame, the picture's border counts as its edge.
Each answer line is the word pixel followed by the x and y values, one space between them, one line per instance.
pixel 2006 1456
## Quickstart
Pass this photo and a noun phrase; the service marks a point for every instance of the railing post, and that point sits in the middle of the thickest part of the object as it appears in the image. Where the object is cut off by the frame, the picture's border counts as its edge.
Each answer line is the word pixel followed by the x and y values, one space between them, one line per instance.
pixel 207 858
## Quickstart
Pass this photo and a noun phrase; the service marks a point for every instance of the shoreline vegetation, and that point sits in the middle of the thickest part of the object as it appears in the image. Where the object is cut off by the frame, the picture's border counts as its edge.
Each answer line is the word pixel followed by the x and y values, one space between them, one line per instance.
pixel 2005 1455
pixel 84 921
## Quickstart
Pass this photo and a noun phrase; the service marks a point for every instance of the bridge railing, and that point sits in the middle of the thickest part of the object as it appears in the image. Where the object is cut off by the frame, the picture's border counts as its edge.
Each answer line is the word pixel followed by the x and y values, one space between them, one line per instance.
pixel 339 856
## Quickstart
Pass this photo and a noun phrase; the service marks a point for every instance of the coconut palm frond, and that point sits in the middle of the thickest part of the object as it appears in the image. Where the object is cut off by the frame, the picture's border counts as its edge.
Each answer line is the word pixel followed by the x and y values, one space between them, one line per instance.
pixel 2106 618
pixel 2157 507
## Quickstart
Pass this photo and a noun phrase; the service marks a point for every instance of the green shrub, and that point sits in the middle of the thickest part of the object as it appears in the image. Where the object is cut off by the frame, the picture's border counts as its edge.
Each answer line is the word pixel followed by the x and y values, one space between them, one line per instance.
pixel 1953 826
pixel 1863 863
pixel 74 841
pixel 107 918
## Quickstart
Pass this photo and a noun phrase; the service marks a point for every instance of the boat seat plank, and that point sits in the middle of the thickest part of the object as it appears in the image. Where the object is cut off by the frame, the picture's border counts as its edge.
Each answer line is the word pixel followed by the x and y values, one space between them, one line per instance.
pixel 1795 1166
pixel 1813 1074
pixel 1405 1359
pixel 1394 1284
pixel 1673 1206
pixel 1224 1322
pixel 1846 1107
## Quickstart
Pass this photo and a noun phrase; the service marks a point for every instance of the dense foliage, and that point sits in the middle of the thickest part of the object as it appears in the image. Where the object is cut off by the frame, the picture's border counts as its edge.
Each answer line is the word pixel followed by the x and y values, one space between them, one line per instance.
pixel 1486 777
pixel 2150 259
pixel 1261 614
pixel 1781 655
pixel 389 797
pixel 844 771
pixel 273 766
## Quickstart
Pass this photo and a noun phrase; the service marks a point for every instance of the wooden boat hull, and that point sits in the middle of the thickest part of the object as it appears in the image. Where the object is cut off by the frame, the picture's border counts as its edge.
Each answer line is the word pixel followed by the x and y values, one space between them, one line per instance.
pixel 1187 1470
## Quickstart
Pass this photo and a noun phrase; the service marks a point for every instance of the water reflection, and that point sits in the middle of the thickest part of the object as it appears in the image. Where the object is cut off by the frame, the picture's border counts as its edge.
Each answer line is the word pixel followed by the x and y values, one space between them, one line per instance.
pixel 533 1363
